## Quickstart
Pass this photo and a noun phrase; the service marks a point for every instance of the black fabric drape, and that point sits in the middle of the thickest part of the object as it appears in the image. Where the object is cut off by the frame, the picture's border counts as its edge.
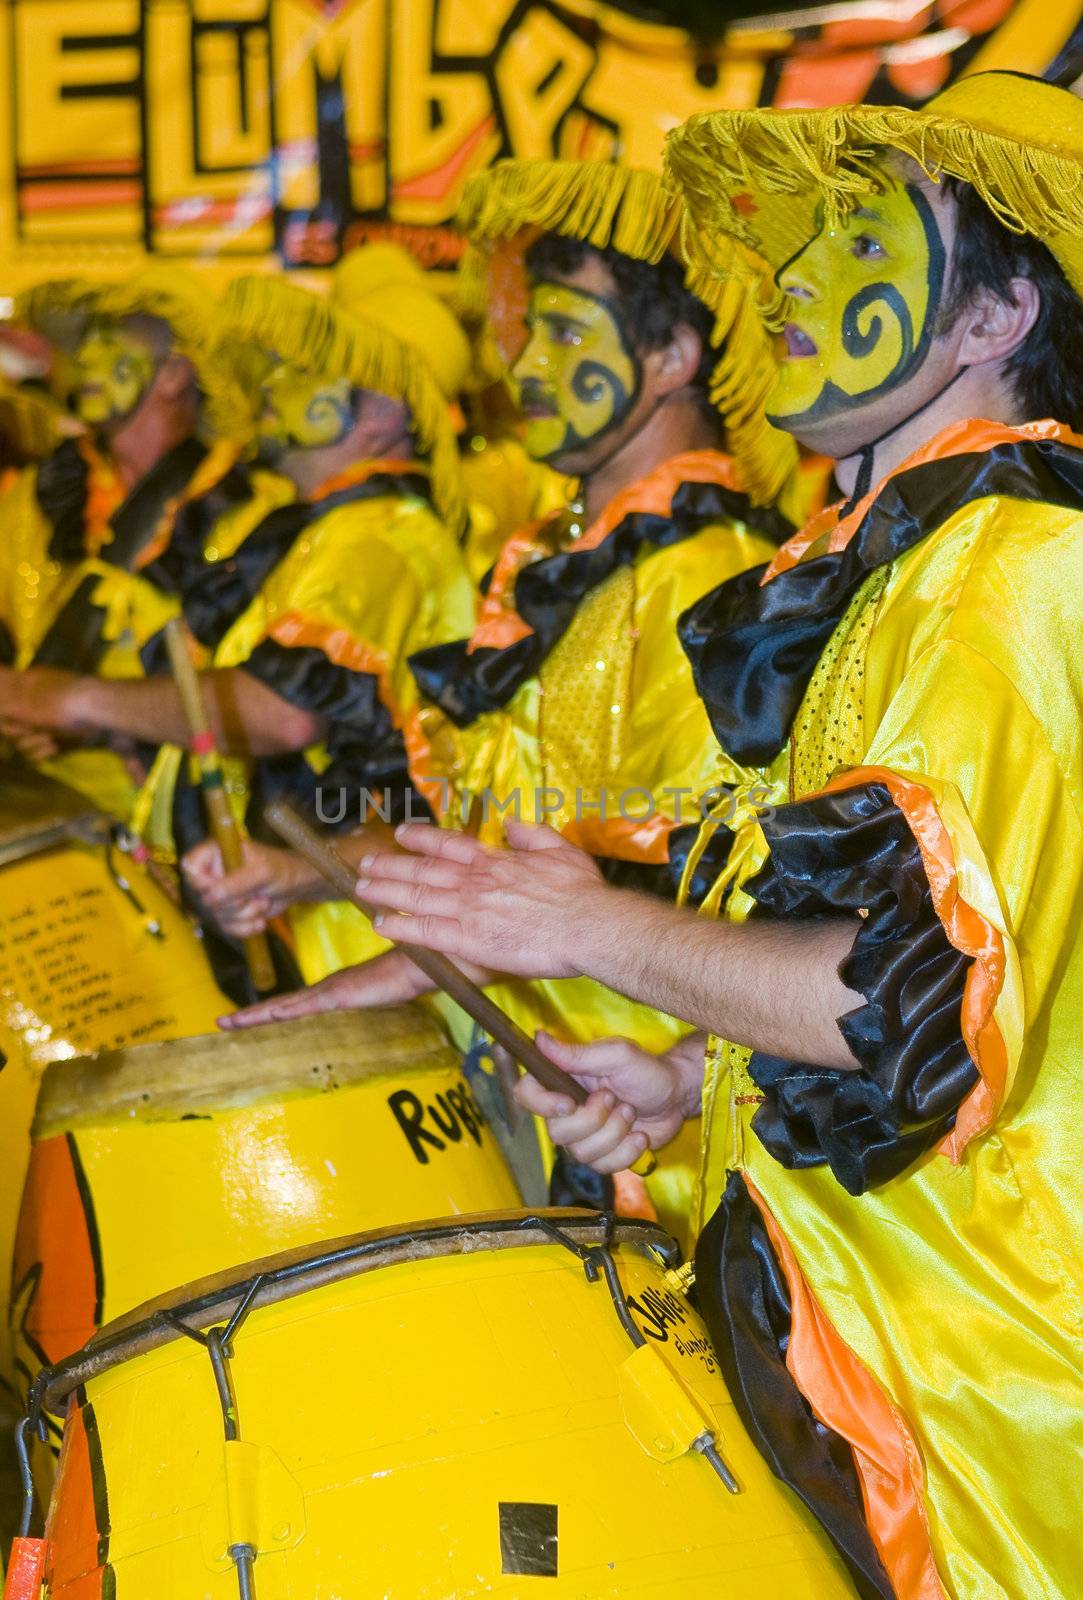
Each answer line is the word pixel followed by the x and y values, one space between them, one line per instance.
pixel 61 488
pixel 365 750
pixel 214 594
pixel 74 638
pixel 742 1294
pixel 710 864
pixel 467 684
pixel 841 853
pixel 753 647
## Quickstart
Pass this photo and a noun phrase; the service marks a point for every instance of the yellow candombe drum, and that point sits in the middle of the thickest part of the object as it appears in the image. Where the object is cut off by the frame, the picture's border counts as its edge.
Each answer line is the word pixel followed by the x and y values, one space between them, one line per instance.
pixel 163 1163
pixel 436 1413
pixel 93 954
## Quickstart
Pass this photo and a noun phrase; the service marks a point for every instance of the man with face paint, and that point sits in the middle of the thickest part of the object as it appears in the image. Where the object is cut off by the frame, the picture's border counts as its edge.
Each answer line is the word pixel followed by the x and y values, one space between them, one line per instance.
pixel 893 989
pixel 572 697
pixel 90 556
pixel 308 625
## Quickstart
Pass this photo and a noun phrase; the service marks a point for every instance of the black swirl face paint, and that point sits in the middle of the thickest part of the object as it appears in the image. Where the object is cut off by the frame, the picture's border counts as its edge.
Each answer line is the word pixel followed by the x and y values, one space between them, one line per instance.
pixel 303 410
pixel 579 375
pixel 867 296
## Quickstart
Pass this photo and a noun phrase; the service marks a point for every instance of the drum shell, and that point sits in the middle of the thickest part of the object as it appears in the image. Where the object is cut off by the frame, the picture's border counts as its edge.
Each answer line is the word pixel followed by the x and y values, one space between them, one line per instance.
pixel 164 1164
pixel 83 968
pixel 450 1427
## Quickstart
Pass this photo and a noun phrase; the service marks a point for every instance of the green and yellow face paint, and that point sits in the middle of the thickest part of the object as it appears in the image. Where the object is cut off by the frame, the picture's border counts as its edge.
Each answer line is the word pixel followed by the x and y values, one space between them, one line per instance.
pixel 866 294
pixel 112 369
pixel 578 376
pixel 302 410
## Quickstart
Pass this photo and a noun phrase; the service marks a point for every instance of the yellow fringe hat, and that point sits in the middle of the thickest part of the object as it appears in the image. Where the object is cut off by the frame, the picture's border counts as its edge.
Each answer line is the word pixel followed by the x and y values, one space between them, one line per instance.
pixel 629 210
pixel 384 284
pixel 368 349
pixel 174 297
pixel 757 177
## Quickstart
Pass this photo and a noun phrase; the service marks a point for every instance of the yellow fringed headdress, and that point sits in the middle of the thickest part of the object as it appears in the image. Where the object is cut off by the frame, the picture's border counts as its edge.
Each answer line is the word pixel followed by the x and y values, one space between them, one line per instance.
pixel 757 177
pixel 174 297
pixel 625 209
pixel 367 349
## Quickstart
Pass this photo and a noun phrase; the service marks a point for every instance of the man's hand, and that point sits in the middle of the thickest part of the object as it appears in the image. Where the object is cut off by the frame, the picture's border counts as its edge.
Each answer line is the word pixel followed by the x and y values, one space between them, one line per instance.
pixel 244 901
pixel 637 1100
pixel 33 744
pixel 510 910
pixel 387 980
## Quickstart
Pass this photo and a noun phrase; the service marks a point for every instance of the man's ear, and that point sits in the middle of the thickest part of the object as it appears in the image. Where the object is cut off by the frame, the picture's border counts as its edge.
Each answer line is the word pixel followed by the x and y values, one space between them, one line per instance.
pixel 175 376
pixel 675 364
pixel 993 329
pixel 383 420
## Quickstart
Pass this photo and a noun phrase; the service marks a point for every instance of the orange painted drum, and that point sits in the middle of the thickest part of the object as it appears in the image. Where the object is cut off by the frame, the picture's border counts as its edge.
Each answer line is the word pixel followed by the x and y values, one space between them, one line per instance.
pixel 510 1404
pixel 160 1164
pixel 93 955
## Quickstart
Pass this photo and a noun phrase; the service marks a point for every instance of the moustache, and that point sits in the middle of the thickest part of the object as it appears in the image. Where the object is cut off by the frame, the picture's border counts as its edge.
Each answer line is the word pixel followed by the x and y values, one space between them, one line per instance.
pixel 535 396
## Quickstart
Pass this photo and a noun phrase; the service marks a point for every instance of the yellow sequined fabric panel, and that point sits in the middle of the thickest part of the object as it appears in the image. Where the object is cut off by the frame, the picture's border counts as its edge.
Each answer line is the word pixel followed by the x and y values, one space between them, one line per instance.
pixel 828 731
pixel 586 683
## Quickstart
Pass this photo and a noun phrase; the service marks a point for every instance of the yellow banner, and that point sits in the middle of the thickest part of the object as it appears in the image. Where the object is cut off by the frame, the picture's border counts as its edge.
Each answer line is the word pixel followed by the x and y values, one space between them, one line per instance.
pixel 238 132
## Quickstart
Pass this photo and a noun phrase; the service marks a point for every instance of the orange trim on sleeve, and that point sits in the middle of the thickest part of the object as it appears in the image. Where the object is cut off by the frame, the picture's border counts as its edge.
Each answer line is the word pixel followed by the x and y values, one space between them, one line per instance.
pixel 844 1394
pixel 643 839
pixel 500 625
pixel 297 631
pixel 962 438
pixel 969 932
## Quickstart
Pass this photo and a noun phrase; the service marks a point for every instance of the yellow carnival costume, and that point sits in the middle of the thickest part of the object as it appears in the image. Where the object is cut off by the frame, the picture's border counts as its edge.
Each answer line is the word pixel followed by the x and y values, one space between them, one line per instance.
pixel 900 1236
pixel 91 570
pixel 572 702
pixel 326 598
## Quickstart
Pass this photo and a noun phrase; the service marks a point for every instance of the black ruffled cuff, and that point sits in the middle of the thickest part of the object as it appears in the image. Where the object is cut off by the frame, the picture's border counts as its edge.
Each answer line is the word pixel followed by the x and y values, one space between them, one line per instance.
pixel 365 750
pixel 842 853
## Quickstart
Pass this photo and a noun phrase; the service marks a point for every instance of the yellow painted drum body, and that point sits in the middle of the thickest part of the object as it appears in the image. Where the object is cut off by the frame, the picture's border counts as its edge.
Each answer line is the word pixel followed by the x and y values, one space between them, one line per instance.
pixel 155 1166
pixel 93 955
pixel 441 1413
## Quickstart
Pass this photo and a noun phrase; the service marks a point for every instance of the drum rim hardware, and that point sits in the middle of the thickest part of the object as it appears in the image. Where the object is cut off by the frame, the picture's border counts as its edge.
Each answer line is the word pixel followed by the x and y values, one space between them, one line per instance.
pixel 282 1277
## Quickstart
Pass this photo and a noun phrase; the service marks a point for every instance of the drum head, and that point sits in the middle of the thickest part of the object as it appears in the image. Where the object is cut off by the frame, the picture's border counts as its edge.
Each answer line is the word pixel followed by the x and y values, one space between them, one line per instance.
pixel 214 1301
pixel 37 813
pixel 178 1077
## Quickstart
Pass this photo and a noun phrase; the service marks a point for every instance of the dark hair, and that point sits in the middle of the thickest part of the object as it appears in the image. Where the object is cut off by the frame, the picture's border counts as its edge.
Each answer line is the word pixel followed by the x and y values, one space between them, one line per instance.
pixel 652 297
pixel 1046 371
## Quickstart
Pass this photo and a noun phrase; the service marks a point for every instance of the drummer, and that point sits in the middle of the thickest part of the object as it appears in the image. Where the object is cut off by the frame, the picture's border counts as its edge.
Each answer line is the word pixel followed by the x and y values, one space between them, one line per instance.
pixel 574 684
pixel 308 626
pixel 88 565
pixel 890 1163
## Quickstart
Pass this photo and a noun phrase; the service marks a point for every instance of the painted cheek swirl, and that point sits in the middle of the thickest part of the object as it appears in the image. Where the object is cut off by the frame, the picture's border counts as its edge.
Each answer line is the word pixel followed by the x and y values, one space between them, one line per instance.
pixel 859 344
pixel 325 420
pixel 593 383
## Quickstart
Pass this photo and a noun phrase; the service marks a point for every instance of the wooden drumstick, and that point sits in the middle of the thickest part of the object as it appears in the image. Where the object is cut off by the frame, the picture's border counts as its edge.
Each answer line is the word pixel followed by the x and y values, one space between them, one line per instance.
pixel 223 824
pixel 443 972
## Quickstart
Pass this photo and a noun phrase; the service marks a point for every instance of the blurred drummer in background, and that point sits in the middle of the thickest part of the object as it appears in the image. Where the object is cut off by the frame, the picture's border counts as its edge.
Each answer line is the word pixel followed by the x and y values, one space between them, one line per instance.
pixel 308 624
pixel 88 567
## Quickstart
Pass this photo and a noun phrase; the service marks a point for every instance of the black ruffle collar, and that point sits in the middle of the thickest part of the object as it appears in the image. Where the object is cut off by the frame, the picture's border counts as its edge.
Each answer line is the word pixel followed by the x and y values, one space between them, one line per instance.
pixel 753 646
pixel 468 683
